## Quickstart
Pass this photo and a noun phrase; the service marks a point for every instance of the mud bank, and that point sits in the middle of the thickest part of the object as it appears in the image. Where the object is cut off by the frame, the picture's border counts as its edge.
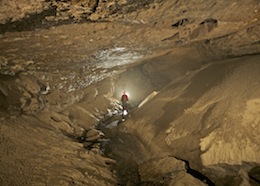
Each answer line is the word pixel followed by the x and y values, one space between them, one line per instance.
pixel 183 121
pixel 179 122
pixel 199 61
pixel 125 148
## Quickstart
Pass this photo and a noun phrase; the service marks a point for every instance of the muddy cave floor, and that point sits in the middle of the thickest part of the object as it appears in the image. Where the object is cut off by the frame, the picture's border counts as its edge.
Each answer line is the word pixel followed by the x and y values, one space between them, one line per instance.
pixel 52 139
pixel 151 146
pixel 121 146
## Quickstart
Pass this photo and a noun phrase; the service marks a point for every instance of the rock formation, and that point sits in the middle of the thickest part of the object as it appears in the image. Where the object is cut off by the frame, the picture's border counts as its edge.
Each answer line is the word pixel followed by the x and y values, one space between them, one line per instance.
pixel 191 69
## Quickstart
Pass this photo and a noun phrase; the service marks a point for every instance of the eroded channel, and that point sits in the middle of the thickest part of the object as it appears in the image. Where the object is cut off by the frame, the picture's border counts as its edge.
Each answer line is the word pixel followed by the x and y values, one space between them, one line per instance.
pixel 115 143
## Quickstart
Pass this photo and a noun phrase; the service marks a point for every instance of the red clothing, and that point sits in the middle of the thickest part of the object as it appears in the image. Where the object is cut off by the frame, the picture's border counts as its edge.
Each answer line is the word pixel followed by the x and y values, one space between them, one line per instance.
pixel 124 97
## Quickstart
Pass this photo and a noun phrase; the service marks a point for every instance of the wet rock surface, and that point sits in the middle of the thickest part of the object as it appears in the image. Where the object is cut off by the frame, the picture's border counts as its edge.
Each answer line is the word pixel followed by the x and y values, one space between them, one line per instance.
pixel 192 73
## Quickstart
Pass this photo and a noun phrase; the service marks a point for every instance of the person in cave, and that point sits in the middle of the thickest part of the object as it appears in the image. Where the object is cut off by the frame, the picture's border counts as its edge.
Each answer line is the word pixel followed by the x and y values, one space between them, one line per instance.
pixel 124 100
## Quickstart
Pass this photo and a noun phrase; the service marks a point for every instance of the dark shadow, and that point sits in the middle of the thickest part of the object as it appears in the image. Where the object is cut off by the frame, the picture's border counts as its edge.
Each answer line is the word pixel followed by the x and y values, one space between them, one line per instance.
pixel 196 174
pixel 254 175
pixel 36 21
